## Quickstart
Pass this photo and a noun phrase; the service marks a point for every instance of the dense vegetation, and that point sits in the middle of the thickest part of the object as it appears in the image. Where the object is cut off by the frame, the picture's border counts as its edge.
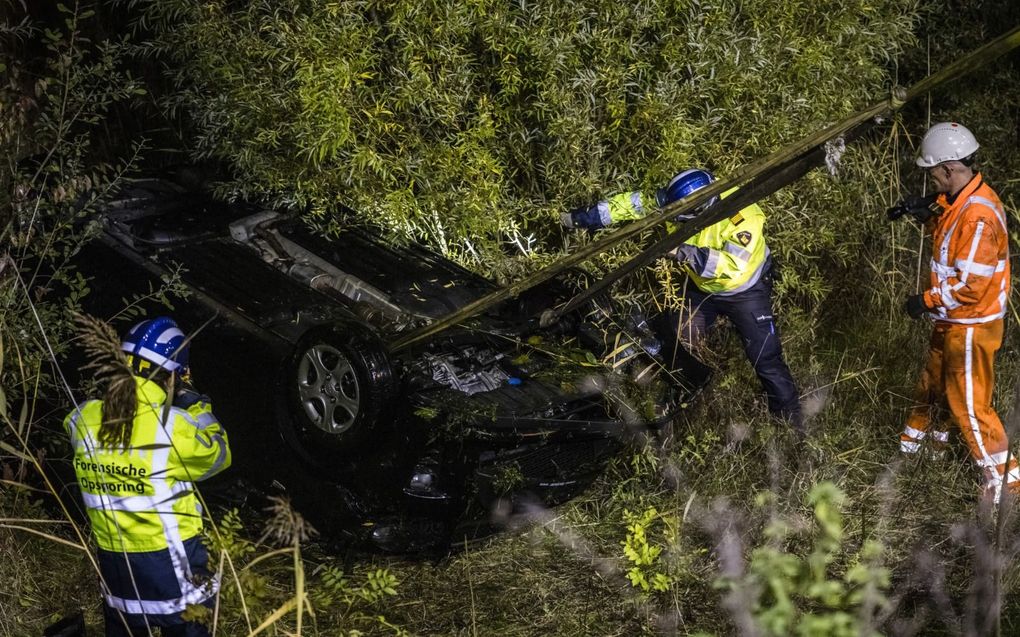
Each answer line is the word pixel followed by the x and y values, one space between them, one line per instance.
pixel 470 125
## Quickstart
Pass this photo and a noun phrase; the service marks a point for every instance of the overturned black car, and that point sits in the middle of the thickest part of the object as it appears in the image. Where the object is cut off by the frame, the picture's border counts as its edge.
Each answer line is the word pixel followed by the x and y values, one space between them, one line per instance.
pixel 405 451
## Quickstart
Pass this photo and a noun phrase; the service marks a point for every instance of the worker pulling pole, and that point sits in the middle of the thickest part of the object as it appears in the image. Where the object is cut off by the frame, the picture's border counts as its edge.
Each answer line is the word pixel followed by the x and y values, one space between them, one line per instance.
pixel 752 173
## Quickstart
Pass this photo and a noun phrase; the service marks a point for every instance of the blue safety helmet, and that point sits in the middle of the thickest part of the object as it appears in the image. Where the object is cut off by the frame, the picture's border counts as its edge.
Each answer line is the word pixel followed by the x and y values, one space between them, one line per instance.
pixel 683 185
pixel 158 341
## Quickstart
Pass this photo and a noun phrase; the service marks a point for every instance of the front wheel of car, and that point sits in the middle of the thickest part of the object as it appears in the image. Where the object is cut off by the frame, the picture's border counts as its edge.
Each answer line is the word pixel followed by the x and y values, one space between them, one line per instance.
pixel 339 386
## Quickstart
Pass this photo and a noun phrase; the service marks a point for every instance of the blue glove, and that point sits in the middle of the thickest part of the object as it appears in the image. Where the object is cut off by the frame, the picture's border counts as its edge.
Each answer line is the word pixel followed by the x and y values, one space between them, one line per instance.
pixel 684 253
pixel 587 217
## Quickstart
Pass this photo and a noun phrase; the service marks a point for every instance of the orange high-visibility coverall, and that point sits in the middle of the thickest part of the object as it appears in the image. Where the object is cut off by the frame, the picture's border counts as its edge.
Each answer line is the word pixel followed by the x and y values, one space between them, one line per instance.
pixel 969 288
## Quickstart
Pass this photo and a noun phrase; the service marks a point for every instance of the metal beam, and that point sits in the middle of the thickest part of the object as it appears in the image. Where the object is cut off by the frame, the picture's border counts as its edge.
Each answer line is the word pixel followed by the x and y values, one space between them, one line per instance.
pixel 765 176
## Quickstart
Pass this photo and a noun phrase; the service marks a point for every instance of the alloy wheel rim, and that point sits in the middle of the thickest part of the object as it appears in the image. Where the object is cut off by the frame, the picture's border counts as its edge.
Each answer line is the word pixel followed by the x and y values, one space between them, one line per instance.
pixel 328 388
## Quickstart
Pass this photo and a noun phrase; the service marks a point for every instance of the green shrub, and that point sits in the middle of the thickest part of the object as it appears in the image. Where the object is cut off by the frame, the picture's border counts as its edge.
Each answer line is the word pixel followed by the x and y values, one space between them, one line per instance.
pixel 469 125
pixel 796 593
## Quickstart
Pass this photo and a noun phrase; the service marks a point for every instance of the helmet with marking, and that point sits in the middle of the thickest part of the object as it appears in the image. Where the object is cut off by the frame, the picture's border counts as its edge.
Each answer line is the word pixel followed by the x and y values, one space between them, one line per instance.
pixel 156 342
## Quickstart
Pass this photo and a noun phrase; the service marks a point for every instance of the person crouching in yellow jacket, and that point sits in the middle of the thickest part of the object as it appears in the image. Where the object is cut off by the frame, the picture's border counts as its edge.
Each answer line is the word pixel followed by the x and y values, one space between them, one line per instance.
pixel 730 267
pixel 136 459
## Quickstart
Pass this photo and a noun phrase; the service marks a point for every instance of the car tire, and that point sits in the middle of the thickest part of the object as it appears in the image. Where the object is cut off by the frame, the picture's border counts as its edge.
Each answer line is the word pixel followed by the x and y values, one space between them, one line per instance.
pixel 339 386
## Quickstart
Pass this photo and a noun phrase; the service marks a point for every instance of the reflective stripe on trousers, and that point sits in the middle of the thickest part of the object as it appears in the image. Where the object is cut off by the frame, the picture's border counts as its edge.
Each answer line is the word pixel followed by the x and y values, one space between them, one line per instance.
pixel 960 373
pixel 156 584
pixel 910 439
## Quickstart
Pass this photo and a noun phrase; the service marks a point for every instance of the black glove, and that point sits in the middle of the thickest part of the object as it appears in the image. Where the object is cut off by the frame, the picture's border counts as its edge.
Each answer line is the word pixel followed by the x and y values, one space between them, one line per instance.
pixel 915 306
pixel 185 395
pixel 920 208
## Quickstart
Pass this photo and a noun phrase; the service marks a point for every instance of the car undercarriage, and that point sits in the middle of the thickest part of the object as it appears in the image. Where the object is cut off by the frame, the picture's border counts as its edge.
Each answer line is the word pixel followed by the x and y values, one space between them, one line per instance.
pixel 398 450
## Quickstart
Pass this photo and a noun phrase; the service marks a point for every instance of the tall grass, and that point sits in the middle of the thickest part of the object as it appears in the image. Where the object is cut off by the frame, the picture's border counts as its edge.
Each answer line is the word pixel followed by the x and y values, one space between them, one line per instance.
pixel 52 180
pixel 744 537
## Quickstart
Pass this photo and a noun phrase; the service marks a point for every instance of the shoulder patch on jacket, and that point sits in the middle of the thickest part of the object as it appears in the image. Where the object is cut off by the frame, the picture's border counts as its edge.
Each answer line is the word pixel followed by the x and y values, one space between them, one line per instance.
pixel 744 237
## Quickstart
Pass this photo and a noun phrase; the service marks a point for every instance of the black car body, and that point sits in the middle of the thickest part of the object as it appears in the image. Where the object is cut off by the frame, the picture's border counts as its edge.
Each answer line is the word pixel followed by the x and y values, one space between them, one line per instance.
pixel 401 449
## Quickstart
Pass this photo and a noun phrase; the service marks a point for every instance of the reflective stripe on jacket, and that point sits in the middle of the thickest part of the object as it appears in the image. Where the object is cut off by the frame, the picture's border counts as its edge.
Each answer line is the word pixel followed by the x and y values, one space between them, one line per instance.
pixel 728 257
pixel 142 498
pixel 970 257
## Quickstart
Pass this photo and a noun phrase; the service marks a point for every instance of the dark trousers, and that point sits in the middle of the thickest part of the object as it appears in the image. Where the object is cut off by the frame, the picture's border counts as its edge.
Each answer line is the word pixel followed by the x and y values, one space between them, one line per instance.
pixel 750 312
pixel 151 576
pixel 115 627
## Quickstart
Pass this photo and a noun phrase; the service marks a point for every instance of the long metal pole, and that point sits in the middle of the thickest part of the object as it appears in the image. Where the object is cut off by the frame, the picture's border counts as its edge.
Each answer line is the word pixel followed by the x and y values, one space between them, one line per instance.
pixel 747 195
pixel 755 170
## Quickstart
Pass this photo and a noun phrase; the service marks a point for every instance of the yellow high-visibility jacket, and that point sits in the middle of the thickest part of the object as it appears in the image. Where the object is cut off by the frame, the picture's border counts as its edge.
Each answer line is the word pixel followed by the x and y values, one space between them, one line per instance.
pixel 142 498
pixel 725 258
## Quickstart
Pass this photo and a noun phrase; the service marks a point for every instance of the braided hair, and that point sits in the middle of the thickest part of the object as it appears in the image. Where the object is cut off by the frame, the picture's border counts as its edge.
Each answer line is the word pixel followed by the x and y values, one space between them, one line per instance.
pixel 120 402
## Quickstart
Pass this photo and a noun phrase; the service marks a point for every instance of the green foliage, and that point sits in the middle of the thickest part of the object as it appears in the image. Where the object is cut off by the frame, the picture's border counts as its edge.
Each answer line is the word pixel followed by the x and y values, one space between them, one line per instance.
pixel 508 478
pixel 360 605
pixel 356 603
pixel 228 538
pixel 469 125
pixel 697 449
pixel 643 556
pixel 258 584
pixel 198 613
pixel 426 413
pixel 797 594
pixel 51 106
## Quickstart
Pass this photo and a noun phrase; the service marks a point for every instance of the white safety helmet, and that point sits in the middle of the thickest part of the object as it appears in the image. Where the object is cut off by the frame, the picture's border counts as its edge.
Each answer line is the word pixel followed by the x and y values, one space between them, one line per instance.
pixel 946 141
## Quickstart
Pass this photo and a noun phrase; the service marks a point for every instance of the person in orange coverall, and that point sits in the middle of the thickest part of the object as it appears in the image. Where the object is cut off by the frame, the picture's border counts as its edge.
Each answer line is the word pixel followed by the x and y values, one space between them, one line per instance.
pixel 969 287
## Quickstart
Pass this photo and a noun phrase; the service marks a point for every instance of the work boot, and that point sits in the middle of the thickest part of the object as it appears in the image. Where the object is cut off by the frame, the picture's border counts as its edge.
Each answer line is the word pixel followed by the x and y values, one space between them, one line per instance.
pixel 938 444
pixel 932 444
pixel 992 488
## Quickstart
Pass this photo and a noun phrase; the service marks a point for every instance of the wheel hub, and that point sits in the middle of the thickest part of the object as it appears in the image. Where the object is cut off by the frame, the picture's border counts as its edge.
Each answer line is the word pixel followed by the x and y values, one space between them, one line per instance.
pixel 328 389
